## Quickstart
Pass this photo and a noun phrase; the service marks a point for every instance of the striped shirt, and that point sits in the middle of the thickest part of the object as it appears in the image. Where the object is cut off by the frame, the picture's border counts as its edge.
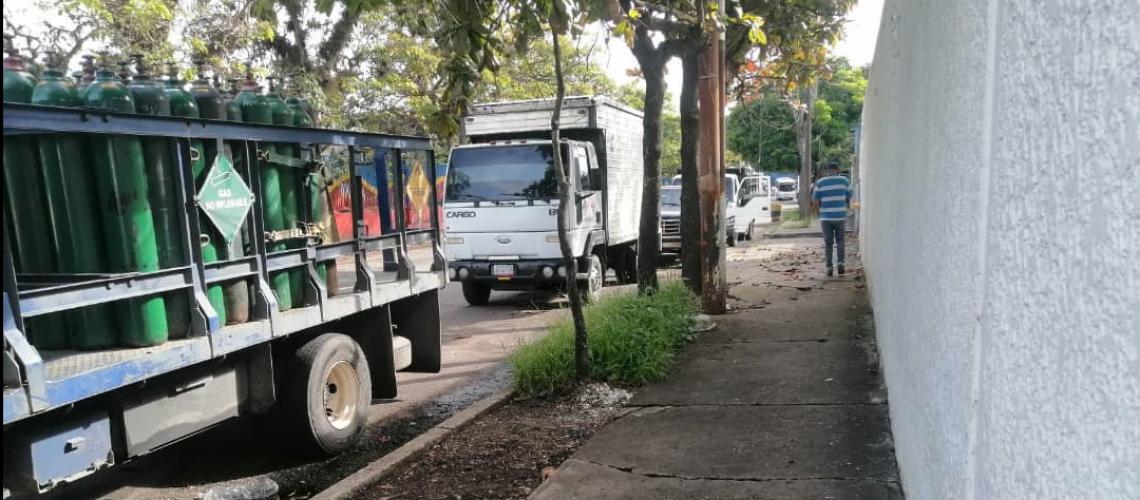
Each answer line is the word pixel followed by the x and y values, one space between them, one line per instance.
pixel 832 192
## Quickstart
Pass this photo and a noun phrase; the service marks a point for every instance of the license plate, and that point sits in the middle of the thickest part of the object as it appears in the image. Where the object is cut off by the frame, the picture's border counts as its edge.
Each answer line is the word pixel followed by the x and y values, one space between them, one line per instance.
pixel 503 269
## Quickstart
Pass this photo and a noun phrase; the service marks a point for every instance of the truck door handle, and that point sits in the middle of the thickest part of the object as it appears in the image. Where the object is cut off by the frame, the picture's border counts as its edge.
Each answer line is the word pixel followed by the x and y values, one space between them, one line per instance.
pixel 189 386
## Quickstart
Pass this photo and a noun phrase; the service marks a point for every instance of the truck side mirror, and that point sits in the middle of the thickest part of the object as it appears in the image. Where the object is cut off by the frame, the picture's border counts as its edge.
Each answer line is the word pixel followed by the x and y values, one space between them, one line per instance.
pixel 580 196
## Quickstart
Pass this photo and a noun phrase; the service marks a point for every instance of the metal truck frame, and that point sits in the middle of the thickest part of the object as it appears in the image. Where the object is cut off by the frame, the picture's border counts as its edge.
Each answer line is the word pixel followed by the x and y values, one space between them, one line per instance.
pixel 68 414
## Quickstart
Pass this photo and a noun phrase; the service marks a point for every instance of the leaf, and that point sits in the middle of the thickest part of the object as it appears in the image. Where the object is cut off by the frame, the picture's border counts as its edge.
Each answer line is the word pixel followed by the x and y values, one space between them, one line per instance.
pixel 757 36
pixel 325 6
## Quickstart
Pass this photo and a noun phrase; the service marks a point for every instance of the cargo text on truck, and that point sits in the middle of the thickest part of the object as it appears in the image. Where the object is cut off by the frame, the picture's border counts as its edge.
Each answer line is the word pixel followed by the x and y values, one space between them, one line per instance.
pixel 176 257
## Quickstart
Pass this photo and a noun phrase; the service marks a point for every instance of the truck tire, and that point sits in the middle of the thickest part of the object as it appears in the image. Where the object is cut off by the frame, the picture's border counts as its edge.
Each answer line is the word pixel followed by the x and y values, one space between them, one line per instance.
pixel 476 294
pixel 327 393
pixel 401 352
pixel 591 287
pixel 751 231
pixel 732 239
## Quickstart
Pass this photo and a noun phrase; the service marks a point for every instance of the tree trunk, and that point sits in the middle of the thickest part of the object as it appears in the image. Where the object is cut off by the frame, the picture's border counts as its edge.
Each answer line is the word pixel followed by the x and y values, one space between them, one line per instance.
pixel 803 136
pixel 652 61
pixel 690 197
pixel 581 341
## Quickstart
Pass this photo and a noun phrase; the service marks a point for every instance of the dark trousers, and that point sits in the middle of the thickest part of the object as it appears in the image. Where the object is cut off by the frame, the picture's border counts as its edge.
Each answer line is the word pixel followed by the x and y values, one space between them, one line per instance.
pixel 833 231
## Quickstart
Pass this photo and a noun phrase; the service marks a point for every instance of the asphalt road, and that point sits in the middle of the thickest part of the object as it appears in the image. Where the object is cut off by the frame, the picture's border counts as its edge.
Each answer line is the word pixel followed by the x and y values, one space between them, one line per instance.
pixel 476 342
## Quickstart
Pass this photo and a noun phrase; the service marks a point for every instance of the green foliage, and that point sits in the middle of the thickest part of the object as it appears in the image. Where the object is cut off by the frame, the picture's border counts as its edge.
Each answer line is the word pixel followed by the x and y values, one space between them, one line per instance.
pixel 633 341
pixel 764 127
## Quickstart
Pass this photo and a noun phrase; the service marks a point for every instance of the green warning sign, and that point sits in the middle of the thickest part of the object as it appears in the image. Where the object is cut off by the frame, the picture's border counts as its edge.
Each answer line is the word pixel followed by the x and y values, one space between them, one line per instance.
pixel 225 198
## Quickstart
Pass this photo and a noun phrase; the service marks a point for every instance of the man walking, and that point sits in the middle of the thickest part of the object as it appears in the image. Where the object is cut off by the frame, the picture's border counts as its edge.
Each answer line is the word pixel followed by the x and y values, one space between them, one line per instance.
pixel 832 195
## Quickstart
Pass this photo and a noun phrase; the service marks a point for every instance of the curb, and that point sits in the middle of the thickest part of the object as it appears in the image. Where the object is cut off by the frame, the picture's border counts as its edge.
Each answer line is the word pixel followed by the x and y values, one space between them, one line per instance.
pixel 372 472
pixel 806 234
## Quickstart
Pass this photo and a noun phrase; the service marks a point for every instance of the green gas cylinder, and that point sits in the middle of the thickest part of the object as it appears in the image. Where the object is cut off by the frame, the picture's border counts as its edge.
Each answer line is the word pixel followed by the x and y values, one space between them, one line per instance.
pixel 88 69
pixel 315 186
pixel 72 208
pixel 212 105
pixel 125 73
pixel 120 175
pixel 151 99
pixel 181 102
pixel 233 108
pixel 255 108
pixel 289 176
pixel 25 202
pixel 184 104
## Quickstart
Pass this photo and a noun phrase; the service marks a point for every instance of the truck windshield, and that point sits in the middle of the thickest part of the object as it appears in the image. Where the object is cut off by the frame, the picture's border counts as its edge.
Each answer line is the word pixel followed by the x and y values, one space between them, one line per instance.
pixel 502 173
pixel 786 187
pixel 670 197
pixel 730 189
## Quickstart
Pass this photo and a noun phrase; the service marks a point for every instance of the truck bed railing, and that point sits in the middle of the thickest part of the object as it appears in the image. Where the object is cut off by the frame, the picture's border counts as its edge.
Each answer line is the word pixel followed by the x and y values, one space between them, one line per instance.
pixel 379 255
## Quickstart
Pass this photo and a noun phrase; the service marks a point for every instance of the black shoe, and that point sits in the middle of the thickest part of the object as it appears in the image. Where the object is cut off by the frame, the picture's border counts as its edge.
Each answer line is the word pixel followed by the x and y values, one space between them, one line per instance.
pixel 829 272
pixel 842 270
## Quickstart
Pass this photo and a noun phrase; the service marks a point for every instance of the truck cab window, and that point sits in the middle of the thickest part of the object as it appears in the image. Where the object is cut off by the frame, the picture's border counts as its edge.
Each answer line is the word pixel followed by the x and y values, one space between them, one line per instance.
pixel 582 169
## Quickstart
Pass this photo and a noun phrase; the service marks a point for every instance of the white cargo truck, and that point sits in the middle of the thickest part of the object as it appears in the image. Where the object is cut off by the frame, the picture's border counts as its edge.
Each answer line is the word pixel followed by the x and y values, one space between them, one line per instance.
pixel 501 205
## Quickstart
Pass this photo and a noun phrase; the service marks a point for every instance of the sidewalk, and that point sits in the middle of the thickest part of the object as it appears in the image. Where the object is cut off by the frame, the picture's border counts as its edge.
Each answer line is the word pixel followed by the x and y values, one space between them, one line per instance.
pixel 812 231
pixel 782 401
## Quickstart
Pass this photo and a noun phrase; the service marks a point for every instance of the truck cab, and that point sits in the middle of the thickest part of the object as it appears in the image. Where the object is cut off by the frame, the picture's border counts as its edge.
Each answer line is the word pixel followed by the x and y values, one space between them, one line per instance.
pixel 501 209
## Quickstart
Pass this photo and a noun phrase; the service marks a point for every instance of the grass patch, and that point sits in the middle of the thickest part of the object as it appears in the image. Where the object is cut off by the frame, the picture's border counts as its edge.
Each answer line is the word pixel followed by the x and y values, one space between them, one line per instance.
pixel 633 341
pixel 794 220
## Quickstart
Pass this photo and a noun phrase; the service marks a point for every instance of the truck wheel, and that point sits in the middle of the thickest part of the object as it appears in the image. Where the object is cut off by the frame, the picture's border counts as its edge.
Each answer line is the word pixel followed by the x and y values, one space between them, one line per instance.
pixel 751 231
pixel 732 239
pixel 476 294
pixel 591 287
pixel 328 392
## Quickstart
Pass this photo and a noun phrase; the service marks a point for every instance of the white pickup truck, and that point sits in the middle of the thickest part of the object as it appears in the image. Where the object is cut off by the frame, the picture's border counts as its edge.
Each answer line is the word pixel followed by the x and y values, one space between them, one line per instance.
pixel 746 208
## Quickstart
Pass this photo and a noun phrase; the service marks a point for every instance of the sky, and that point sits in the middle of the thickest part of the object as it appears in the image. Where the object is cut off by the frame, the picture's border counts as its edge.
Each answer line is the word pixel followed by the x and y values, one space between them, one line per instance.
pixel 857 45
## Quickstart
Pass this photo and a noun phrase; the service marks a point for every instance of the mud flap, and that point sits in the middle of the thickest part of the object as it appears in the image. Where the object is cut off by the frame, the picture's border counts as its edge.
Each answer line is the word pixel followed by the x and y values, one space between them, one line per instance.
pixel 373 331
pixel 417 319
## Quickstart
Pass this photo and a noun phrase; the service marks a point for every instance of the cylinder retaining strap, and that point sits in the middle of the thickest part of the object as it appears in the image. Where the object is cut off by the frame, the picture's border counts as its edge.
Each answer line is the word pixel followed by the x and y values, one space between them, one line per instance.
pixel 307 231
pixel 283 160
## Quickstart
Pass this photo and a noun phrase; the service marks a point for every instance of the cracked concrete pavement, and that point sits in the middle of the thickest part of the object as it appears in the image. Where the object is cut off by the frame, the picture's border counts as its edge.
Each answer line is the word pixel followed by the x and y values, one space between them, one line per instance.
pixel 782 401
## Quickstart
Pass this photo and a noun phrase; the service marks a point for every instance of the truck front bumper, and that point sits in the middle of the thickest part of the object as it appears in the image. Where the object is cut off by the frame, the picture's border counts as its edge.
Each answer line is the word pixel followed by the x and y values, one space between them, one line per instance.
pixel 524 274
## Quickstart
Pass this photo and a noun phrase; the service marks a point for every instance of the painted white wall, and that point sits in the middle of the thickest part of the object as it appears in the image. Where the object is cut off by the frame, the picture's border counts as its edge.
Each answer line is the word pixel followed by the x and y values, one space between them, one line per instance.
pixel 1006 295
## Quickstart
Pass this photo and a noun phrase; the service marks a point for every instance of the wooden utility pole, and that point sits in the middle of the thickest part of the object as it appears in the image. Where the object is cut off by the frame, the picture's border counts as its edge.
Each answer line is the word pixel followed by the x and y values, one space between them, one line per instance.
pixel 714 293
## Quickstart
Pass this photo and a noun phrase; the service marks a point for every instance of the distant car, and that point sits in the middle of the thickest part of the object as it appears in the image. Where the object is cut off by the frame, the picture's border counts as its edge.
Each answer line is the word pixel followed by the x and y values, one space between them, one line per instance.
pixel 670 204
pixel 671 218
pixel 786 189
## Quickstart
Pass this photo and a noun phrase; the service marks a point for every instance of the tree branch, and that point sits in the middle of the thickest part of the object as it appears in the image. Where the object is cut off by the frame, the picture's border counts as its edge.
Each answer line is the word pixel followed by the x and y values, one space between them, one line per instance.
pixel 338 39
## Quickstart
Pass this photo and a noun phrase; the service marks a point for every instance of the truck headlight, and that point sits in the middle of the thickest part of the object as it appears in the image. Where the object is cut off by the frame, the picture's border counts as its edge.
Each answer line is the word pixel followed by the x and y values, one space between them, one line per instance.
pixel 454 240
pixel 552 238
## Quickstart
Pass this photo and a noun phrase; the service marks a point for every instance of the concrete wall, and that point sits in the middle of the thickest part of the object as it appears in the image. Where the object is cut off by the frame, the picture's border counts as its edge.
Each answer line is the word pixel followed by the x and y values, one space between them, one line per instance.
pixel 1007 297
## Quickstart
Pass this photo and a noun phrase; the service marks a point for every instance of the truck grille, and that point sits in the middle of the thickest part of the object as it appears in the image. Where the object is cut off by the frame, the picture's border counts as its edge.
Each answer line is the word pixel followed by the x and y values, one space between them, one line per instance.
pixel 670 226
